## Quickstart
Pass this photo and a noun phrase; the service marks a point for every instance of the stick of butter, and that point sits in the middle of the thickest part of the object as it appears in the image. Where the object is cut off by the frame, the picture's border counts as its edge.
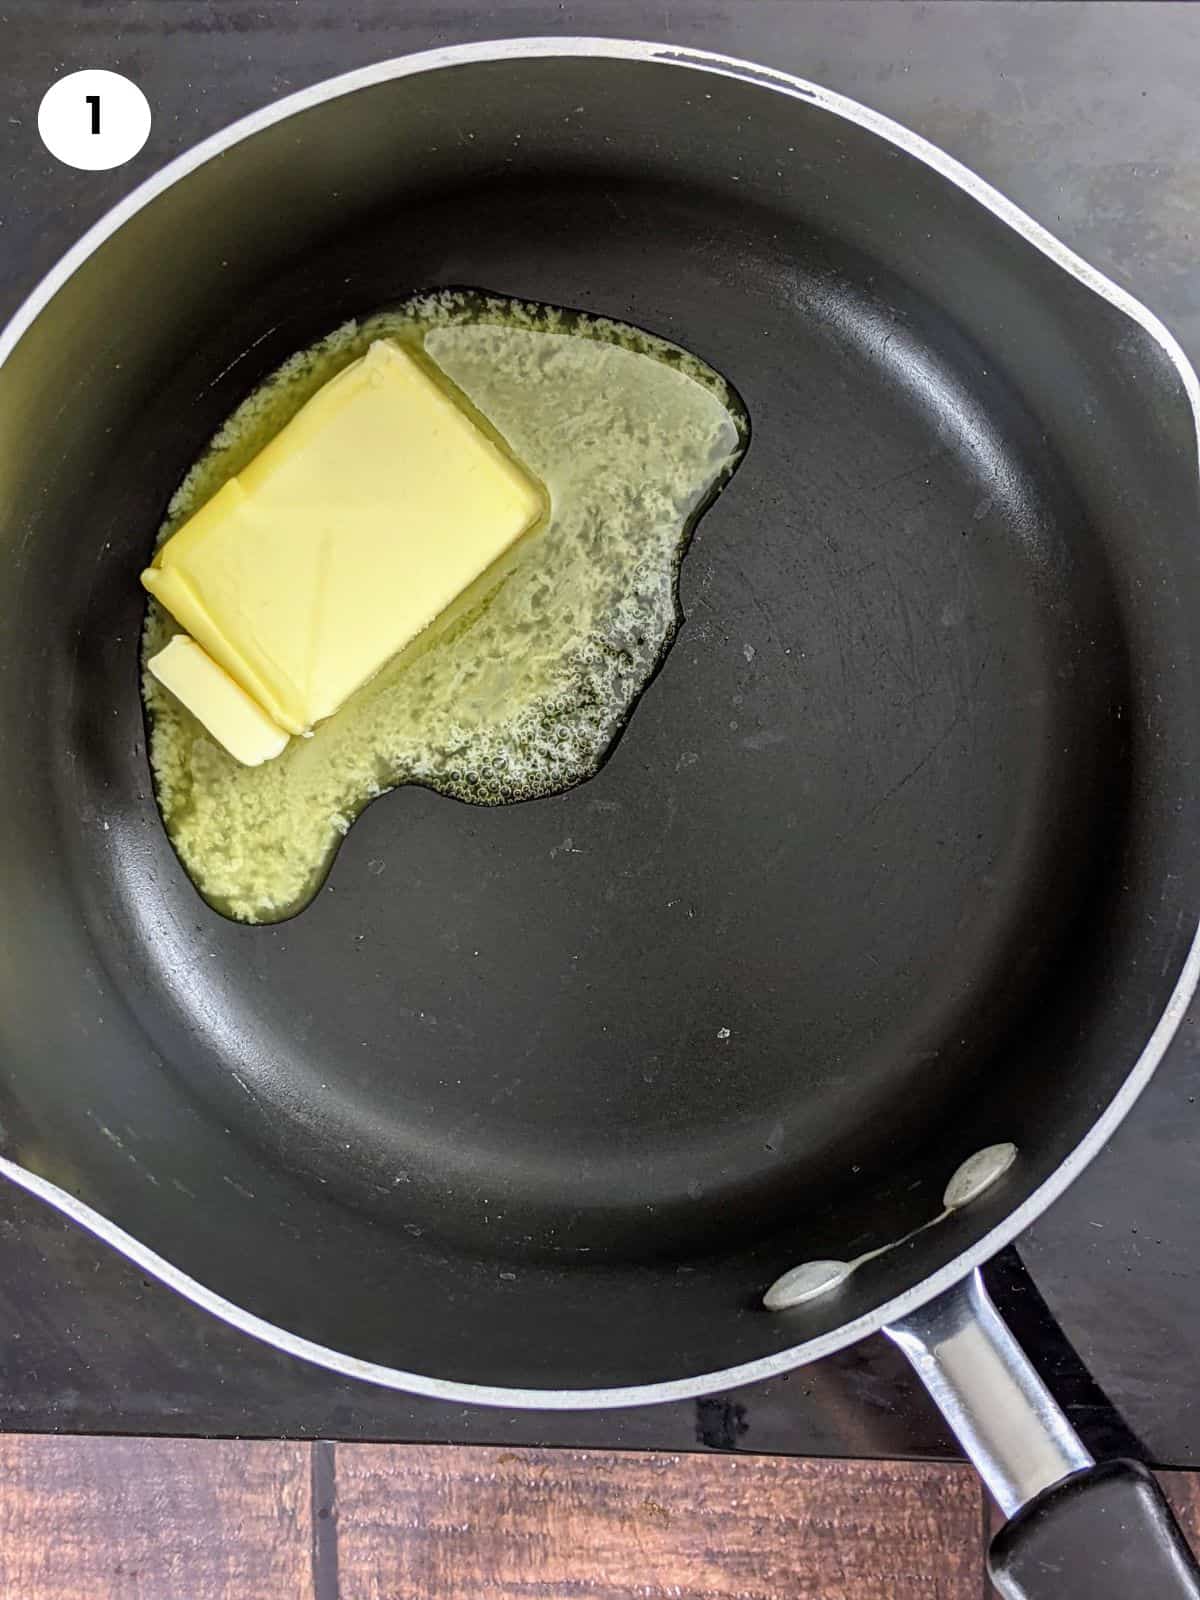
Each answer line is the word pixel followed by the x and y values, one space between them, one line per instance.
pixel 345 537
pixel 223 706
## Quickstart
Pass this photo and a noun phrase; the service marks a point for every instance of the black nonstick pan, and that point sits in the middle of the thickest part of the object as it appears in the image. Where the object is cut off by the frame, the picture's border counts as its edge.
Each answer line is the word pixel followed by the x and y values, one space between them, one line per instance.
pixel 894 864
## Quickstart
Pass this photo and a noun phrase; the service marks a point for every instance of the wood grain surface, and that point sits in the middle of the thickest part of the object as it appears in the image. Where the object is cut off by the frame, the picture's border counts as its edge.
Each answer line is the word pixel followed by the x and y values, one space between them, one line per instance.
pixel 1183 1491
pixel 154 1519
pixel 188 1519
pixel 429 1523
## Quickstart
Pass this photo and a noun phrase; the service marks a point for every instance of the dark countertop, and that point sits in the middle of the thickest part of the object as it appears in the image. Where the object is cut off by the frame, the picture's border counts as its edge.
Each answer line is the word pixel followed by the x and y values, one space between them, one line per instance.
pixel 1087 116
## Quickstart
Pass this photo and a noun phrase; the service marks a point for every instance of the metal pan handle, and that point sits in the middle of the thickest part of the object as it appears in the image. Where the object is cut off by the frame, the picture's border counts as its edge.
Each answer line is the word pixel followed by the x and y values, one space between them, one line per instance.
pixel 1075 1529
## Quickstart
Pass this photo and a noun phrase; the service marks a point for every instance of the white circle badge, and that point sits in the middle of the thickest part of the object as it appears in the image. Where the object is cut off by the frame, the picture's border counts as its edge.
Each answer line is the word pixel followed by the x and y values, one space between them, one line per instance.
pixel 94 119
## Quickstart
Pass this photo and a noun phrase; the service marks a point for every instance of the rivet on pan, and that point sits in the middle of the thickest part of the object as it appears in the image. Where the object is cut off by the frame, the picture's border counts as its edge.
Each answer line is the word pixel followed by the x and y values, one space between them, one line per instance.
pixel 977 1173
pixel 806 1282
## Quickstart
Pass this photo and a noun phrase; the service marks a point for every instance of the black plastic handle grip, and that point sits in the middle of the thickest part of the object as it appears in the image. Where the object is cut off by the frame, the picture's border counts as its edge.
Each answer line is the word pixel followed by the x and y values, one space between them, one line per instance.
pixel 1106 1533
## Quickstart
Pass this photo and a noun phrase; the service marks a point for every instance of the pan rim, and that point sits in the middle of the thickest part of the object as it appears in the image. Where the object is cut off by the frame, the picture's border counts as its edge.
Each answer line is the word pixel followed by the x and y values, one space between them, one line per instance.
pixel 927 1289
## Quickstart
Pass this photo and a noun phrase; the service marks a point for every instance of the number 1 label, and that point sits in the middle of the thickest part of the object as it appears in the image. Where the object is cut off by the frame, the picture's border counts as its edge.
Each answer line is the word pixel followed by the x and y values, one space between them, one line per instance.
pixel 94 119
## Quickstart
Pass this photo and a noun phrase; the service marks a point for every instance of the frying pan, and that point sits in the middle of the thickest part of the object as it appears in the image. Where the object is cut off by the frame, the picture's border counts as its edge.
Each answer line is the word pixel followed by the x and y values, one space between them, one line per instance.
pixel 893 864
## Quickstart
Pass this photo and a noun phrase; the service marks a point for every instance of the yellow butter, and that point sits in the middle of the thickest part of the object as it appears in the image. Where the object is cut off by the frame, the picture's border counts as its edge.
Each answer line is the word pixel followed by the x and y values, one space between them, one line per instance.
pixel 211 695
pixel 352 531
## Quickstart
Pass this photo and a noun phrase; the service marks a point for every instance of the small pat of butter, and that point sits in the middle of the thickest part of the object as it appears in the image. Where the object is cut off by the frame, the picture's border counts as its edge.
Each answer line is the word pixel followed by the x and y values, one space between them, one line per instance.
pixel 352 531
pixel 224 708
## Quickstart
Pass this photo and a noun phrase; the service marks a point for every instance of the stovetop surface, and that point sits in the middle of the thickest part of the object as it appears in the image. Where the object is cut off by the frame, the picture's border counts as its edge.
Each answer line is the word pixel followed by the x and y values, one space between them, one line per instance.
pixel 1087 116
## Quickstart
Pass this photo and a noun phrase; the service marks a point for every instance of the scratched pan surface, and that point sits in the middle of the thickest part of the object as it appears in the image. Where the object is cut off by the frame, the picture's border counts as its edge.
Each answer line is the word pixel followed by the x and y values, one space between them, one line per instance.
pixel 892 861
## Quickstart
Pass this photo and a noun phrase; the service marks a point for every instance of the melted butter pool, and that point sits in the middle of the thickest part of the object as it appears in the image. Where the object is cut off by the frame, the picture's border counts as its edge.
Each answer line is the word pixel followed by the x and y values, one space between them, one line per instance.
pixel 519 691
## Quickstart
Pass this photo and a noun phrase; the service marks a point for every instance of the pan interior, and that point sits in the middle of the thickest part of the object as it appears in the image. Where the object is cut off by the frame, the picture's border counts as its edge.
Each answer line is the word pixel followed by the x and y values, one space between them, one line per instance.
pixel 845 902
pixel 783 931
